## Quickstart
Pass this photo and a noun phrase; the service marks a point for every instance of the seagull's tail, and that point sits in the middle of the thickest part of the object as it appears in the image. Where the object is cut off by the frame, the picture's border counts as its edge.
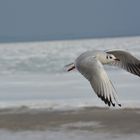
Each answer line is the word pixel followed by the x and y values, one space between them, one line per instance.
pixel 70 67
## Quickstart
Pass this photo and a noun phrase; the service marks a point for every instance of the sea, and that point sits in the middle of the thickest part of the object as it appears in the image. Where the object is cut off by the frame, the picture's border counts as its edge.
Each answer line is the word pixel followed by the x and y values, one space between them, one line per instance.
pixel 33 75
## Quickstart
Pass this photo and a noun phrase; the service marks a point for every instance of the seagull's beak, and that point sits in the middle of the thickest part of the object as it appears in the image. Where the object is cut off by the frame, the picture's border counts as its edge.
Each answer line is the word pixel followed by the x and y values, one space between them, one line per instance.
pixel 71 68
pixel 116 59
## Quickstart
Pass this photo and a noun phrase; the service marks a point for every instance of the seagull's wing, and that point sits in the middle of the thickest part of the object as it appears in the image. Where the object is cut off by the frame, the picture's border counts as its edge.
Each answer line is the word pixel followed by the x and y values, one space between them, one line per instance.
pixel 101 84
pixel 127 61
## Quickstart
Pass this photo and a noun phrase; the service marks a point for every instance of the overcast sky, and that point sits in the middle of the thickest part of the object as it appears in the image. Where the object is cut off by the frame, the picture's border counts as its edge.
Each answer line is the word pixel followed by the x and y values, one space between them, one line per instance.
pixel 22 20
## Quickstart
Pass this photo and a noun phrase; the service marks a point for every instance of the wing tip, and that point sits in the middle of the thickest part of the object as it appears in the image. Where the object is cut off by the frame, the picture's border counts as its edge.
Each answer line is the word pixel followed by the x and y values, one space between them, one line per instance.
pixel 119 105
pixel 113 104
pixel 108 102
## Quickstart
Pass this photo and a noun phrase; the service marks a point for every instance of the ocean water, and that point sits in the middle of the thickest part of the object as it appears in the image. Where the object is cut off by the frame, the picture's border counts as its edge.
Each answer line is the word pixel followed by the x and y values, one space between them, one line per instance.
pixel 63 135
pixel 33 75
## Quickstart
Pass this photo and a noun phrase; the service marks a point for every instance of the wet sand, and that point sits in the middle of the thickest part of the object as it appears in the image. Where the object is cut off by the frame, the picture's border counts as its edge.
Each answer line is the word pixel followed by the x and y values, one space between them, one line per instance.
pixel 121 121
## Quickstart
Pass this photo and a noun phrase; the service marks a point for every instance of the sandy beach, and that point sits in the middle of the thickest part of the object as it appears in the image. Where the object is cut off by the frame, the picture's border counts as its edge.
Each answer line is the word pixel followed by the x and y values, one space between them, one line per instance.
pixel 98 119
pixel 85 123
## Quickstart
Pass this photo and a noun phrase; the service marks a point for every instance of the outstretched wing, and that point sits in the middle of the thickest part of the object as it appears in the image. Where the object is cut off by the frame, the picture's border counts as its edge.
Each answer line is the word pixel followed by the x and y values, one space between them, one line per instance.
pixel 102 85
pixel 127 61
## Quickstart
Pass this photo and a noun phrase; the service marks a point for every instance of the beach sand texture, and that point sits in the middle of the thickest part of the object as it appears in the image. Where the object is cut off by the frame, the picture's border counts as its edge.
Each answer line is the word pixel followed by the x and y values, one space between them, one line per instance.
pixel 91 122
pixel 106 119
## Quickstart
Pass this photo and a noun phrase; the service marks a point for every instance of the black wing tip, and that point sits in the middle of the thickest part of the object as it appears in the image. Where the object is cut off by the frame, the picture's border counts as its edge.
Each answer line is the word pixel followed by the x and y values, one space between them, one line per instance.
pixel 119 105
pixel 107 101
pixel 139 65
pixel 113 104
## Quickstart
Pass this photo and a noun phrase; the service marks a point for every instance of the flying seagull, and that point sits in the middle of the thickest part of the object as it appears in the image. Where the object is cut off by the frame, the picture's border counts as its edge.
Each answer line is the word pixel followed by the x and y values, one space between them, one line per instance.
pixel 90 65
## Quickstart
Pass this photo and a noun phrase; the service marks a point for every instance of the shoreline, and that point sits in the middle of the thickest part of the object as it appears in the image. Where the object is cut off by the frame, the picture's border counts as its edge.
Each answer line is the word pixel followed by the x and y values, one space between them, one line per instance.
pixel 121 121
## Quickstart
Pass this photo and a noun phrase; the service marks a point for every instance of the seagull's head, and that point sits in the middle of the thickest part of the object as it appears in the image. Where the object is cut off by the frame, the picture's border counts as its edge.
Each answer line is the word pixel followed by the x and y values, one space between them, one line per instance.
pixel 106 58
pixel 110 58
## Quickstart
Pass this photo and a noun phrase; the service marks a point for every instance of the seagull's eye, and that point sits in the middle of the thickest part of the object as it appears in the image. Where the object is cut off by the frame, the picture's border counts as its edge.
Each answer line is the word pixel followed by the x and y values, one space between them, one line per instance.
pixel 106 57
pixel 110 57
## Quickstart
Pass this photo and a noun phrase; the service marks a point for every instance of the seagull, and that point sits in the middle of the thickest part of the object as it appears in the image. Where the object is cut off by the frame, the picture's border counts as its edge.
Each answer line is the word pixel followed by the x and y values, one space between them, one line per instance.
pixel 90 65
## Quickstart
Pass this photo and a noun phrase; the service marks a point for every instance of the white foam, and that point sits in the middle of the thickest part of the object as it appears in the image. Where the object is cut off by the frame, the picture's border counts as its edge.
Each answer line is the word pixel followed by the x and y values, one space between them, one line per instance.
pixel 60 105
pixel 51 57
